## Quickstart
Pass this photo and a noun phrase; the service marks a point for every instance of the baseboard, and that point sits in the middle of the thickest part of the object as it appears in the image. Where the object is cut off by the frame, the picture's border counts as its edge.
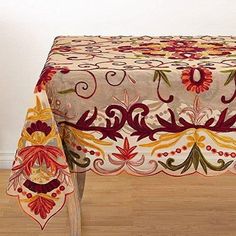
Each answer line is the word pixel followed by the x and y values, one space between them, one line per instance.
pixel 6 160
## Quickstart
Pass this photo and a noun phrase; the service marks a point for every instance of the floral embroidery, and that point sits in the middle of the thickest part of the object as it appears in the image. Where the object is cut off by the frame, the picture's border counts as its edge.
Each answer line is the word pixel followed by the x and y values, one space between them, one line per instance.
pixel 196 139
pixel 42 188
pixel 42 206
pixel 39 126
pixel 125 162
pixel 46 75
pixel 179 49
pixel 198 86
pixel 40 166
pixel 231 78
pixel 39 154
pixel 126 102
pixel 196 113
pixel 126 151
pixel 140 105
pixel 39 112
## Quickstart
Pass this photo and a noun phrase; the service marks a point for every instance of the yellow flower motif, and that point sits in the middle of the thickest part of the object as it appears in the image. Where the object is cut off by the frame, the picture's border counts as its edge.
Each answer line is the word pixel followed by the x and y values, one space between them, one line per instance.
pixel 39 175
pixel 38 137
pixel 39 112
pixel 196 138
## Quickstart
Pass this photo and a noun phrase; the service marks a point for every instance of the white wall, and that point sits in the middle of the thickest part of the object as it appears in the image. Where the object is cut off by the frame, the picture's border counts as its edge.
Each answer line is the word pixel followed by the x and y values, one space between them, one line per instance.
pixel 27 28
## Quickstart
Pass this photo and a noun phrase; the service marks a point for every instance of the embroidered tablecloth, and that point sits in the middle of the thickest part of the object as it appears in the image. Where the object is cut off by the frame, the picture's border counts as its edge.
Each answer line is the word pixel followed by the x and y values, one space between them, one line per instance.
pixel 142 105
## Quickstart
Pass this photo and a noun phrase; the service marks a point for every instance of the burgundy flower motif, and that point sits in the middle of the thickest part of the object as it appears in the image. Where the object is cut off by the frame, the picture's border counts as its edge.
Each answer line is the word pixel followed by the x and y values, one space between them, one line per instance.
pixel 40 154
pixel 41 206
pixel 198 86
pixel 46 75
pixel 64 70
pixel 125 152
pixel 39 126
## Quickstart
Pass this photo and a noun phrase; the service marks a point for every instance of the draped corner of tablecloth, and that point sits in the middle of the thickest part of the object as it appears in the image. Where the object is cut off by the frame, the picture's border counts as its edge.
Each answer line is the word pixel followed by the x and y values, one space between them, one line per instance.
pixel 40 176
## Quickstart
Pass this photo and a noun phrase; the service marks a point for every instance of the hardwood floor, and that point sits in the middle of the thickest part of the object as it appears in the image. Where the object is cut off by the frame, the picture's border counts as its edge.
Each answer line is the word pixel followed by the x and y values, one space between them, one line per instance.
pixel 137 206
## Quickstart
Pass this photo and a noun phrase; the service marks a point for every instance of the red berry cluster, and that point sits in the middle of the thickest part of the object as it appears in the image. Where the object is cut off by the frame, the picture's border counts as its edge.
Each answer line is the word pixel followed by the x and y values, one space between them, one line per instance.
pixel 177 150
pixel 220 153
pixel 85 150
pixel 20 190
pixel 58 191
pixel 29 195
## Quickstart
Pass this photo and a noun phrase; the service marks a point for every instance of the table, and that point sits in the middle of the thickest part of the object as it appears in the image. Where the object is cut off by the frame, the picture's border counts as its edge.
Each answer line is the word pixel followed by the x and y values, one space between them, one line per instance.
pixel 141 105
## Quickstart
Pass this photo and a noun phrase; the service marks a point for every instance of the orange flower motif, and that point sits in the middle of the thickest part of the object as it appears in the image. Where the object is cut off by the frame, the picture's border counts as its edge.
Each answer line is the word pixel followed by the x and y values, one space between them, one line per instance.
pixel 197 85
pixel 40 154
pixel 41 206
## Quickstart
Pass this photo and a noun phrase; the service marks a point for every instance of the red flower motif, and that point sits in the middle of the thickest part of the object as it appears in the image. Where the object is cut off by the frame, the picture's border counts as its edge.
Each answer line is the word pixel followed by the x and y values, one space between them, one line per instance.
pixel 40 154
pixel 45 77
pixel 179 49
pixel 41 206
pixel 183 49
pixel 198 86
pixel 39 126
pixel 125 152
pixel 64 70
pixel 62 48
pixel 182 46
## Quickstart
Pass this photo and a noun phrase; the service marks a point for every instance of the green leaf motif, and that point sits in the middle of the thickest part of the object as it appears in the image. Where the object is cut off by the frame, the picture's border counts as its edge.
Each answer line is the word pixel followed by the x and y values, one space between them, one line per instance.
pixel 195 158
pixel 71 90
pixel 231 55
pixel 231 76
pixel 73 159
pixel 160 74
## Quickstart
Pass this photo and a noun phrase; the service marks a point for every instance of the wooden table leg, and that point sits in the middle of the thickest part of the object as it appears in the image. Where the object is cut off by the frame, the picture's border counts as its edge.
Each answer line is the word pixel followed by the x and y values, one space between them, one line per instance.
pixel 74 203
pixel 81 177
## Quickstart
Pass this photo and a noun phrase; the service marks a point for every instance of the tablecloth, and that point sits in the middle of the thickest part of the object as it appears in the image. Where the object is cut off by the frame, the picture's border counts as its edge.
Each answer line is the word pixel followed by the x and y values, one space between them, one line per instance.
pixel 142 105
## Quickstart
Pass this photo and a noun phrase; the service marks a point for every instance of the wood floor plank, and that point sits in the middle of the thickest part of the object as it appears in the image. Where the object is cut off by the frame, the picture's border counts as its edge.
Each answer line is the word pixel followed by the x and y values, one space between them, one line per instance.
pixel 137 206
